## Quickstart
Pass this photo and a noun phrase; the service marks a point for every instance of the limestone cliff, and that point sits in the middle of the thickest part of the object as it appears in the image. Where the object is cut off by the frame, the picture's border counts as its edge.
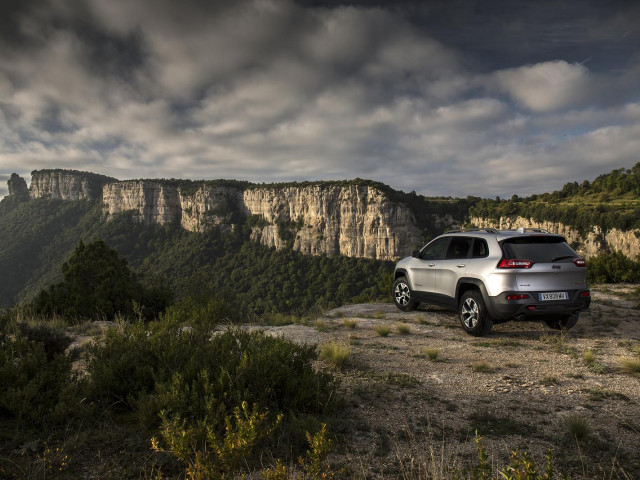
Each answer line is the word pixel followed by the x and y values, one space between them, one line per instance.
pixel 588 245
pixel 149 201
pixel 348 219
pixel 352 220
pixel 67 184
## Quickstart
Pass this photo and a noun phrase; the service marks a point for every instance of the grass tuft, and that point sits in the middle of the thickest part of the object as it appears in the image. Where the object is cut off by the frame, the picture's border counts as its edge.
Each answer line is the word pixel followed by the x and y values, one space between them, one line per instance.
pixel 350 323
pixel 630 365
pixel 382 330
pixel 482 367
pixel 578 427
pixel 403 328
pixel 335 353
pixel 592 364
pixel 432 353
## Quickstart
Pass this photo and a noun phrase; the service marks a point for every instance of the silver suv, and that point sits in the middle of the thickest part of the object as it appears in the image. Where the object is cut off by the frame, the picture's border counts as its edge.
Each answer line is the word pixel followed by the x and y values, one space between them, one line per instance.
pixel 493 276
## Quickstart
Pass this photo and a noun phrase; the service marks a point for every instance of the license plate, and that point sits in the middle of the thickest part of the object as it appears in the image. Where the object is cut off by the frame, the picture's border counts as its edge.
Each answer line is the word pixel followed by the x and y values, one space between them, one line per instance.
pixel 554 296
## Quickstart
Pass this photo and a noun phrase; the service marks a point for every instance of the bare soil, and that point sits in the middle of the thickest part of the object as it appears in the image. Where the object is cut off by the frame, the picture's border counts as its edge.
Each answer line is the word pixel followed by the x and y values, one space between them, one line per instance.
pixel 523 387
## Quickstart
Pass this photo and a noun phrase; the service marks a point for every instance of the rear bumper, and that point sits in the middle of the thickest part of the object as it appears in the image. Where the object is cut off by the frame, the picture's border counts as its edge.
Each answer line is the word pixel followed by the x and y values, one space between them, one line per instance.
pixel 532 308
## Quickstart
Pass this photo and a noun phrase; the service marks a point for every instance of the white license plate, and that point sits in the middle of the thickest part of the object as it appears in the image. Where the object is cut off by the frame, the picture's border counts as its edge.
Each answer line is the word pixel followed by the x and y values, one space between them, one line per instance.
pixel 554 296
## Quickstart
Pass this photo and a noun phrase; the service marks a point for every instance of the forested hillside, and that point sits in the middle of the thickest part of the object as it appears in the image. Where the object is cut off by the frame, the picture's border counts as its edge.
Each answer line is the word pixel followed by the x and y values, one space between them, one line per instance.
pixel 39 235
pixel 611 201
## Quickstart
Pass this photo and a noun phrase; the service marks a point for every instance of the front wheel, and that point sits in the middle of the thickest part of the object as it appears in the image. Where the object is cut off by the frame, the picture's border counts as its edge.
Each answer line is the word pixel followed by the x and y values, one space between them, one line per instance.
pixel 474 317
pixel 564 323
pixel 402 296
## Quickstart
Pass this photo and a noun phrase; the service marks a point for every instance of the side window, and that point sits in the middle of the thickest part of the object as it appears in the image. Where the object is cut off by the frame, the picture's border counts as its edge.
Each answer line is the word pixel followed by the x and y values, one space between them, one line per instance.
pixel 435 250
pixel 458 248
pixel 480 248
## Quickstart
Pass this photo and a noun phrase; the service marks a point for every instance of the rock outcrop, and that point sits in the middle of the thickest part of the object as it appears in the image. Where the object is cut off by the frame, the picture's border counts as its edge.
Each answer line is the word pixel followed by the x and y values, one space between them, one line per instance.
pixel 352 220
pixel 588 245
pixel 17 186
pixel 67 184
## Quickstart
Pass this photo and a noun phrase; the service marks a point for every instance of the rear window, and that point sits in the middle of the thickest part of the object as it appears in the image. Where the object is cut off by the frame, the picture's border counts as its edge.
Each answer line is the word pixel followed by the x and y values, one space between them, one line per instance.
pixel 538 249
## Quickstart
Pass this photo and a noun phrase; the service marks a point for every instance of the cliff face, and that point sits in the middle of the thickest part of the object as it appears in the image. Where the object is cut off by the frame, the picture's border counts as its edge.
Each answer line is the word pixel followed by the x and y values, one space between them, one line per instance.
pixel 148 201
pixel 589 245
pixel 353 220
pixel 67 184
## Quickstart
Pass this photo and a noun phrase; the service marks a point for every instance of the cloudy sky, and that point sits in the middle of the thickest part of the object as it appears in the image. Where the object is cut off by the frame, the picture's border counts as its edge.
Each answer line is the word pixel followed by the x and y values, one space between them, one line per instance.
pixel 455 97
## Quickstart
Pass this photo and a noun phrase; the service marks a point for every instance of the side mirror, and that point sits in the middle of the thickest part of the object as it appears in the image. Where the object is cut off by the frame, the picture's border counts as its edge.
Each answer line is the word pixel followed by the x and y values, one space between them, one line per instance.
pixel 415 254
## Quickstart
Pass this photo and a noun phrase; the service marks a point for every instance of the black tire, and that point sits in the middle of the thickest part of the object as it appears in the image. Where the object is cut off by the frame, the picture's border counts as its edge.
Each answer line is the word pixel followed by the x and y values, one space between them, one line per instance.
pixel 474 317
pixel 403 296
pixel 564 323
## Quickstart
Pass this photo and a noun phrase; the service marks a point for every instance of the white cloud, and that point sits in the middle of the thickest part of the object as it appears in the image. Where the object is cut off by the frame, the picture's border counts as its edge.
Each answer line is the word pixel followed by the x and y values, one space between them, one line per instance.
pixel 547 86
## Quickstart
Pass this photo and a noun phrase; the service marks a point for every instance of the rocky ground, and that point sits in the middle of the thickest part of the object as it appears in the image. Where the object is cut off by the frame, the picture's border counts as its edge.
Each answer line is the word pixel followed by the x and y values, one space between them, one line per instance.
pixel 416 397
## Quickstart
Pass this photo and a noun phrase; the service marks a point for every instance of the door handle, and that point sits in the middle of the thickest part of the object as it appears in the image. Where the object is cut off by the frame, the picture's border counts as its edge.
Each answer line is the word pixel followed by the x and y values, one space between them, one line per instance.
pixel 432 264
pixel 461 265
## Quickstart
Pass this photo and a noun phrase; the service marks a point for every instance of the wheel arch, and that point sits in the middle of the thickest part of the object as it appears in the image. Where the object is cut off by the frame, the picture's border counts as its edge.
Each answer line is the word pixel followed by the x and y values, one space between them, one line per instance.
pixel 401 272
pixel 469 283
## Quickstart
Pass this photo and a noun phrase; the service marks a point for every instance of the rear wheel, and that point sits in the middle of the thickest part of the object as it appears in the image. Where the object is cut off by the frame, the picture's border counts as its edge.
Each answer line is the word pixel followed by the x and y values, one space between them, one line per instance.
pixel 564 323
pixel 402 296
pixel 474 316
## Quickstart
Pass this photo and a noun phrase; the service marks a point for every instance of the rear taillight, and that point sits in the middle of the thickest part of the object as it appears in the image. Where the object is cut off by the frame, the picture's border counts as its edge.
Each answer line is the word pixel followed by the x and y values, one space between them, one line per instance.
pixel 512 263
pixel 585 293
pixel 519 296
pixel 580 262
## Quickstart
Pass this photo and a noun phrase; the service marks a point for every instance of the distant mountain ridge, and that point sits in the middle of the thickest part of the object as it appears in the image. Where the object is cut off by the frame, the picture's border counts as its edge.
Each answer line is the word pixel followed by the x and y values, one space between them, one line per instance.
pixel 356 218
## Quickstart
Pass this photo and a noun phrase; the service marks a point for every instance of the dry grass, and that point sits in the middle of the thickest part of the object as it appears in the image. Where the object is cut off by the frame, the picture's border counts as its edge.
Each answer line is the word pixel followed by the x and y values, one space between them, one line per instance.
pixel 630 365
pixel 403 328
pixel 350 323
pixel 335 353
pixel 432 353
pixel 382 330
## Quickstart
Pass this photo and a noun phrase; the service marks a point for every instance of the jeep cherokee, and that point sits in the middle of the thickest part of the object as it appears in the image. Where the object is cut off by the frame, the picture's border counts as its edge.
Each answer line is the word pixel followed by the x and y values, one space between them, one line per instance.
pixel 493 276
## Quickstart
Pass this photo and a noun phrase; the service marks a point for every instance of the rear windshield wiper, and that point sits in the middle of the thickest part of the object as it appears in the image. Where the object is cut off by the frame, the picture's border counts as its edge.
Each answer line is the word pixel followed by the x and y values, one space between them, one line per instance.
pixel 564 257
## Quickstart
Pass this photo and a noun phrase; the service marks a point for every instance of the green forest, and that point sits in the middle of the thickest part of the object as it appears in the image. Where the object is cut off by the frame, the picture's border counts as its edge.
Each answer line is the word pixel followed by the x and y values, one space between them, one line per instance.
pixel 217 264
pixel 610 201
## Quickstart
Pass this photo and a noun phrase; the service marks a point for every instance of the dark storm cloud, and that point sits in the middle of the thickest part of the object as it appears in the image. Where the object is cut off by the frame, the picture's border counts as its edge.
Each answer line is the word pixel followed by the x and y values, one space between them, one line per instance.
pixel 447 98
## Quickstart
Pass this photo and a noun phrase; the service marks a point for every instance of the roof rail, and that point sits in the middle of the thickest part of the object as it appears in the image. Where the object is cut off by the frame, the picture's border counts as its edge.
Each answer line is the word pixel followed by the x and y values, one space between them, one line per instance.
pixel 462 230
pixel 536 230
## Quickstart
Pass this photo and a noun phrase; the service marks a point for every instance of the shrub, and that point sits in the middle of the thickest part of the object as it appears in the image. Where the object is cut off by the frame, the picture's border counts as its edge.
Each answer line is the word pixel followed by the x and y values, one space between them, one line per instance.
pixel 205 313
pixel 207 453
pixel 54 341
pixel 159 367
pixel 38 388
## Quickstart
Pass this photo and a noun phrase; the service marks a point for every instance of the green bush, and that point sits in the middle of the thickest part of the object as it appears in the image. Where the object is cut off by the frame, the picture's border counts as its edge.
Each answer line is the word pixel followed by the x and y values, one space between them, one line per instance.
pixel 613 267
pixel 54 341
pixel 38 388
pixel 159 367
